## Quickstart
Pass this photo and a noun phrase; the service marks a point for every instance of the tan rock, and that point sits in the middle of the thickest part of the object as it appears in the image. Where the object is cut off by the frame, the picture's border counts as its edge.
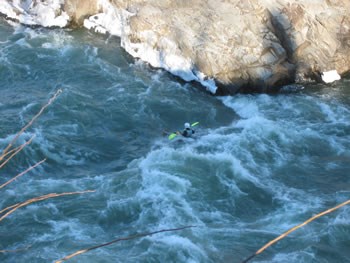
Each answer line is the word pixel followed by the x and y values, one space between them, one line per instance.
pixel 264 43
pixel 79 10
pixel 252 43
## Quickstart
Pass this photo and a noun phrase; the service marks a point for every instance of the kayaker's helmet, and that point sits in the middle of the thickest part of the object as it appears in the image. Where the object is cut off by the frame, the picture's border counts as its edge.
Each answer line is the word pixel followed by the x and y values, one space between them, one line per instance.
pixel 187 125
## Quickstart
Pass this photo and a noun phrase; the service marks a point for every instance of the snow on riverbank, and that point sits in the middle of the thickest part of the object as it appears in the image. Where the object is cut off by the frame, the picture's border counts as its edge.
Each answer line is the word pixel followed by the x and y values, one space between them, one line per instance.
pixel 116 22
pixel 330 76
pixel 247 55
pixel 47 14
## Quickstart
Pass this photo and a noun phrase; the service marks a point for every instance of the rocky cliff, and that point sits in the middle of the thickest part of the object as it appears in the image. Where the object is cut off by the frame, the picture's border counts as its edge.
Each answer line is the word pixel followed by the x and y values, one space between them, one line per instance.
pixel 230 44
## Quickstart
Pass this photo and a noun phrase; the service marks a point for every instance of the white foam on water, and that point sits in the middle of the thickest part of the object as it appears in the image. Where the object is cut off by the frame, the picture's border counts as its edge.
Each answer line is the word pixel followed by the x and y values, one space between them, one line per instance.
pixel 23 43
pixel 342 216
pixel 91 53
pixel 181 246
pixel 24 110
pixel 245 107
pixel 167 192
pixel 330 115
pixel 334 112
pixel 257 126
pixel 63 155
pixel 299 126
pixel 66 129
pixel 69 232
pixel 59 41
pixel 227 157
pixel 21 140
pixel 72 228
pixel 110 70
pixel 292 257
pixel 296 204
pixel 282 138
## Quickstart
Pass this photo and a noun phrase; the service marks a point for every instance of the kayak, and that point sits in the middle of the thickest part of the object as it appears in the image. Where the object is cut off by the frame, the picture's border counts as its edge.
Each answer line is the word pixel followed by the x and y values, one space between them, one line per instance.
pixel 174 134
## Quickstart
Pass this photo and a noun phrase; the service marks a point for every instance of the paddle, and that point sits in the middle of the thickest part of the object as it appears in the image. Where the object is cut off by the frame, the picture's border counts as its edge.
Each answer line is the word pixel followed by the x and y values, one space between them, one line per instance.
pixel 174 134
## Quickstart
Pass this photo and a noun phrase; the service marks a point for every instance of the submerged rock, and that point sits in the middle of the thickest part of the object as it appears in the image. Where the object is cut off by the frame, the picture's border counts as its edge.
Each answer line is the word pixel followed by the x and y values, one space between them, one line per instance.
pixel 235 45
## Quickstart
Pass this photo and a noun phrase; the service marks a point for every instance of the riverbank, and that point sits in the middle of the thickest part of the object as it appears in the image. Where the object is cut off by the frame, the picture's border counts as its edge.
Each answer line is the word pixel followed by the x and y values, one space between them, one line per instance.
pixel 230 46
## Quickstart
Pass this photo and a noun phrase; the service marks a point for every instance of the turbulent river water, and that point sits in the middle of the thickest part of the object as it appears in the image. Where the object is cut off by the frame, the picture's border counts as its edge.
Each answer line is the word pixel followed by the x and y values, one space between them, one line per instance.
pixel 258 164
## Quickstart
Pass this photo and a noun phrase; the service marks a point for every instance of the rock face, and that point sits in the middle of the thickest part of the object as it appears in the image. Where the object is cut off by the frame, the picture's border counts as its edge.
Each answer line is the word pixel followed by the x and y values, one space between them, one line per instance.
pixel 79 10
pixel 241 45
pixel 257 44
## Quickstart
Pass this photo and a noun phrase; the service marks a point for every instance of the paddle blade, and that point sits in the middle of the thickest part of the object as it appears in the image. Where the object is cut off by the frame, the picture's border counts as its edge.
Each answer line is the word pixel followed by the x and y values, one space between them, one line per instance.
pixel 172 136
pixel 194 124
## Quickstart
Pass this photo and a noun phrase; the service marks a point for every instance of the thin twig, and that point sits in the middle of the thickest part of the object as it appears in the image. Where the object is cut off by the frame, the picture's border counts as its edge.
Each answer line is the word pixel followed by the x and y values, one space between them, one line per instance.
pixel 15 250
pixel 119 239
pixel 295 228
pixel 37 199
pixel 16 151
pixel 22 173
pixel 8 208
pixel 58 92
pixel 10 152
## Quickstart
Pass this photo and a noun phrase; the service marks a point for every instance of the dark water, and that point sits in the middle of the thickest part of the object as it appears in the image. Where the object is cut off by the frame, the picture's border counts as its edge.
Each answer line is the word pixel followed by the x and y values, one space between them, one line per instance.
pixel 258 165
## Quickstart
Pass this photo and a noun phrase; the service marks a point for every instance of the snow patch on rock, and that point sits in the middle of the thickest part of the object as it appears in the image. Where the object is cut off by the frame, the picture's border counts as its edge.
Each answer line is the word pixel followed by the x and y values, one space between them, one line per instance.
pixel 330 76
pixel 116 22
pixel 29 12
pixel 111 20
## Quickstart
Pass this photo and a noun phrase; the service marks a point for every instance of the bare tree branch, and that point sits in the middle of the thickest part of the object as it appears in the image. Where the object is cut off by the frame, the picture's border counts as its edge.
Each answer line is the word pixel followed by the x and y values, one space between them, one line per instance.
pixel 15 250
pixel 295 228
pixel 37 199
pixel 58 92
pixel 15 152
pixel 120 239
pixel 11 151
pixel 22 173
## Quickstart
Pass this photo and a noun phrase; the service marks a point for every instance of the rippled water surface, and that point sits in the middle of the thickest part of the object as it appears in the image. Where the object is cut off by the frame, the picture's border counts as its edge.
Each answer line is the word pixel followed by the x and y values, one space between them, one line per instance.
pixel 257 166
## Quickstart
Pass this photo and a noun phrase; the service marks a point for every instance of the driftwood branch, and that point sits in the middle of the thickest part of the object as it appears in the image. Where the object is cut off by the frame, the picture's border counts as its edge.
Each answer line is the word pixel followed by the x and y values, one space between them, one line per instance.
pixel 15 250
pixel 13 208
pixel 14 152
pixel 58 92
pixel 22 173
pixel 295 228
pixel 15 149
pixel 120 239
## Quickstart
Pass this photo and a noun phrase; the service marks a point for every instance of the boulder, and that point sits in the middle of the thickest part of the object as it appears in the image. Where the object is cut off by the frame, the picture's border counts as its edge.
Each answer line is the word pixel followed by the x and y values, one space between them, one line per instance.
pixel 255 45
pixel 79 10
